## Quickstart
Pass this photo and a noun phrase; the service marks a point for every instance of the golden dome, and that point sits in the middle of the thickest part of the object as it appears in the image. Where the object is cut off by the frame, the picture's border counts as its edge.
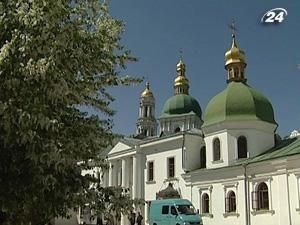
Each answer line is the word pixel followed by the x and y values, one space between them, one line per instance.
pixel 181 80
pixel 147 92
pixel 180 68
pixel 234 55
pixel 181 83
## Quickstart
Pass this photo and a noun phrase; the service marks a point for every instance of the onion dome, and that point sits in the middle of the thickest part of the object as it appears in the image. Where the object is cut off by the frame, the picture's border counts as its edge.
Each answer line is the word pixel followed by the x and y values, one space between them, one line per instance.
pixel 147 92
pixel 235 63
pixel 239 101
pixel 181 83
pixel 234 54
pixel 236 103
pixel 181 102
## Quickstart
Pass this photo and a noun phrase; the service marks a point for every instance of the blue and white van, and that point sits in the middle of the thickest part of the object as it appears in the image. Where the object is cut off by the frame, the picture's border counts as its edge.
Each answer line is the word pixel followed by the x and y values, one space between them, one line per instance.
pixel 173 212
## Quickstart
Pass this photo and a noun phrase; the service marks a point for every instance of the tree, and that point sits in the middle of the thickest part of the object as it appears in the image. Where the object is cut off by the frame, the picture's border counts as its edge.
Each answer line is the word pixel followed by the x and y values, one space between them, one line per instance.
pixel 56 56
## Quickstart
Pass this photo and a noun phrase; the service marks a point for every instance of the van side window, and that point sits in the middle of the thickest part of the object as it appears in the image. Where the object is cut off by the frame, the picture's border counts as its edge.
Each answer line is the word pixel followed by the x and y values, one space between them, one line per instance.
pixel 165 209
pixel 173 210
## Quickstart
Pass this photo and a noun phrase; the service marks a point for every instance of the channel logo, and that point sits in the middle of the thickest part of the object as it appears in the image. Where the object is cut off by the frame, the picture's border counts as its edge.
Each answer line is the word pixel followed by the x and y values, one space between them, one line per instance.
pixel 276 15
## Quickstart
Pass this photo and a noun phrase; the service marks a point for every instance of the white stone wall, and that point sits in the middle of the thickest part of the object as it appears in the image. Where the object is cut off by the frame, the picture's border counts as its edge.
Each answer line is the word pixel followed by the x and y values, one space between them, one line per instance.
pixel 193 144
pixel 210 163
pixel 160 173
pixel 184 122
pixel 282 177
pixel 259 135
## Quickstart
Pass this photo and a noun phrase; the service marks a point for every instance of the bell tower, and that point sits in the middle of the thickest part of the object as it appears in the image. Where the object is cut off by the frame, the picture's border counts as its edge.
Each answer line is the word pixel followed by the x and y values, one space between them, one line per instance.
pixel 147 125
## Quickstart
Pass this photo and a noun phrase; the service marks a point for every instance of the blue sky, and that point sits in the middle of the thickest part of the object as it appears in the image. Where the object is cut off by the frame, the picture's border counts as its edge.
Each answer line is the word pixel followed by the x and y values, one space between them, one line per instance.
pixel 156 30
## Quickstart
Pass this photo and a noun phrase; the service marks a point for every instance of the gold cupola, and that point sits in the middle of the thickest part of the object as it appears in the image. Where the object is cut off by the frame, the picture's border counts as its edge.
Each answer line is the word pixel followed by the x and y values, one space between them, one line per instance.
pixel 147 92
pixel 235 63
pixel 181 83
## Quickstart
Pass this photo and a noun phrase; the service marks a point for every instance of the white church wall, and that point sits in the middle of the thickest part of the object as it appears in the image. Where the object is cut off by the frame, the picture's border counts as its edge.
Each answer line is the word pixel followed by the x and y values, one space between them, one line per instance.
pixel 160 172
pixel 217 191
pixel 294 187
pixel 210 163
pixel 280 175
pixel 193 144
pixel 258 141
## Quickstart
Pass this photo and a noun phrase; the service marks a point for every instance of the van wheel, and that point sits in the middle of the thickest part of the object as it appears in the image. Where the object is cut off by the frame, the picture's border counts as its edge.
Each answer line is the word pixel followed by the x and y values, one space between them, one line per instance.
pixel 154 224
pixel 177 224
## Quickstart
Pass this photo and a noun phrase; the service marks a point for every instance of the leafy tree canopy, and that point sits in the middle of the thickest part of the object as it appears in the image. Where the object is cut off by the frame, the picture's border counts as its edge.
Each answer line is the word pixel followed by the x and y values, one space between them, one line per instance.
pixel 55 57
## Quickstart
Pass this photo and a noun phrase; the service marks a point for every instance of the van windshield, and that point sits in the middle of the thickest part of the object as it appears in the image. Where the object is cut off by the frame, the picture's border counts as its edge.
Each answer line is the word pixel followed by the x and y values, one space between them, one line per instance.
pixel 186 209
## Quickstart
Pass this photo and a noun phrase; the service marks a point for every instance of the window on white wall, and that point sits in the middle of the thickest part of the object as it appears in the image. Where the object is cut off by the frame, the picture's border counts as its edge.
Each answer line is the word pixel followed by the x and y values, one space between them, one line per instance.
pixel 216 149
pixel 260 197
pixel 203 157
pixel 230 202
pixel 205 203
pixel 177 129
pixel 242 147
pixel 171 167
pixel 150 171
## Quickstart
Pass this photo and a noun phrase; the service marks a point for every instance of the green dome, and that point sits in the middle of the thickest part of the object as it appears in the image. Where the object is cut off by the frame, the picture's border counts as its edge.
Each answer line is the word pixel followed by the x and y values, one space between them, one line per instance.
pixel 238 102
pixel 181 104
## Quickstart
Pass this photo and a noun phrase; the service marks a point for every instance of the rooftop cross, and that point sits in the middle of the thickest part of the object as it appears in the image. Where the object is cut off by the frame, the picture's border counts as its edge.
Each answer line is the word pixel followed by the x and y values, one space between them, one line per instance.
pixel 233 28
pixel 180 54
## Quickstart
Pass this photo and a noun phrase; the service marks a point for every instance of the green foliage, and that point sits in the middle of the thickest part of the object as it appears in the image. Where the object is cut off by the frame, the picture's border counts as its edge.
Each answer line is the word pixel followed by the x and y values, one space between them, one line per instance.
pixel 55 57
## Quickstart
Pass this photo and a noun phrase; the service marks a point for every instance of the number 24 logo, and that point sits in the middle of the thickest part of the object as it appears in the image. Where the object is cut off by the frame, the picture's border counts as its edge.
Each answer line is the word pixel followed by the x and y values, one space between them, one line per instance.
pixel 274 15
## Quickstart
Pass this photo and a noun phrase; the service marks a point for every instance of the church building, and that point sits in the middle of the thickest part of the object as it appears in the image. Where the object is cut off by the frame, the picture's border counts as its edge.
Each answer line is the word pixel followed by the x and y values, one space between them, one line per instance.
pixel 228 161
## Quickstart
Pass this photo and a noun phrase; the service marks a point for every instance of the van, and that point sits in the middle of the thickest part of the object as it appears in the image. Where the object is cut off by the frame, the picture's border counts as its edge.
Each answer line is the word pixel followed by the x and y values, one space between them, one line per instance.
pixel 173 212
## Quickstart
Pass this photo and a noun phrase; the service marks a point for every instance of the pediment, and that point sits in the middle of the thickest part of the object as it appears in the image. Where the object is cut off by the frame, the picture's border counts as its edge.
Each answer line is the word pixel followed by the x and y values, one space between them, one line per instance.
pixel 119 147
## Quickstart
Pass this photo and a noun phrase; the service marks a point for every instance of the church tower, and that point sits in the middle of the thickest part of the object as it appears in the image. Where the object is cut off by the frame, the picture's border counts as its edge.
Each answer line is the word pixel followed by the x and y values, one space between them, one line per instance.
pixel 239 122
pixel 147 125
pixel 181 112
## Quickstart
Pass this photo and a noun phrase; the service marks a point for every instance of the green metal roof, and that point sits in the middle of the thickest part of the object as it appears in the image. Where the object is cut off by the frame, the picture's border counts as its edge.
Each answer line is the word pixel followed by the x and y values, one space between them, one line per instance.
pixel 238 102
pixel 285 148
pixel 181 104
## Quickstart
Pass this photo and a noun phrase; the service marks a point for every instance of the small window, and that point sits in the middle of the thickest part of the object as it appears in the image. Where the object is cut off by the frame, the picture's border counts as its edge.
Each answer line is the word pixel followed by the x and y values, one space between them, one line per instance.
pixel 150 171
pixel 216 149
pixel 260 198
pixel 236 72
pixel 171 167
pixel 242 74
pixel 173 210
pixel 263 196
pixel 177 129
pixel 242 147
pixel 205 203
pixel 165 209
pixel 203 157
pixel 230 202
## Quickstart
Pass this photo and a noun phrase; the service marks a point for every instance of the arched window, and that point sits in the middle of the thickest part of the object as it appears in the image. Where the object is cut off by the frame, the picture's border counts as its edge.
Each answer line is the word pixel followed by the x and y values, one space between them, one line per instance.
pixel 205 203
pixel 177 129
pixel 231 73
pixel 263 196
pixel 203 157
pixel 242 147
pixel 236 72
pixel 216 149
pixel 242 74
pixel 260 198
pixel 230 202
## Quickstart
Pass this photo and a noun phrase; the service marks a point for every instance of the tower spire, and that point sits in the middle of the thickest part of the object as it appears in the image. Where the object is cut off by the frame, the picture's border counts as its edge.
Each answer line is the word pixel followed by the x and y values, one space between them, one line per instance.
pixel 181 83
pixel 235 62
pixel 146 125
